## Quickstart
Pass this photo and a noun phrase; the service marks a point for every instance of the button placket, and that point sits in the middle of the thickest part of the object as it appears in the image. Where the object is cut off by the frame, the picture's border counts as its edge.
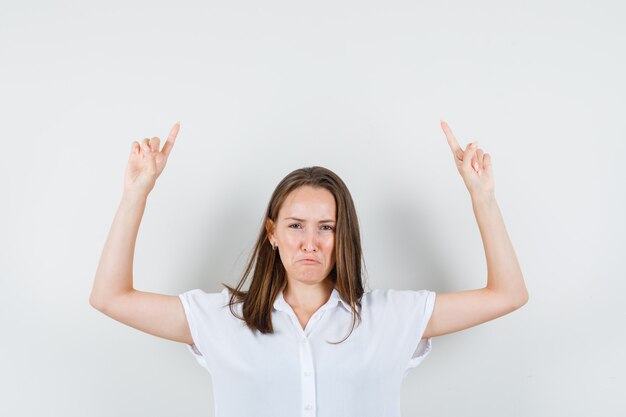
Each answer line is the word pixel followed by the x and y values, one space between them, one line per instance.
pixel 308 380
pixel 306 361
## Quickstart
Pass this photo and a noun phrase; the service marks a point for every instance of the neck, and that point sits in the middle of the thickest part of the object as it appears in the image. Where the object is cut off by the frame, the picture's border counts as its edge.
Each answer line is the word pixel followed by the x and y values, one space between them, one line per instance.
pixel 308 297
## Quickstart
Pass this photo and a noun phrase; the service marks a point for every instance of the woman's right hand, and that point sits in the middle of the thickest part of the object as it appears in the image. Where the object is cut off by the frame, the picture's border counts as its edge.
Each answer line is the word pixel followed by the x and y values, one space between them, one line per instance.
pixel 146 163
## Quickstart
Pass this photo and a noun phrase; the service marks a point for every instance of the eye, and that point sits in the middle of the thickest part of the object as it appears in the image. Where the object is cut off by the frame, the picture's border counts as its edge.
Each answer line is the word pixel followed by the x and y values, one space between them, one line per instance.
pixel 329 227
pixel 295 224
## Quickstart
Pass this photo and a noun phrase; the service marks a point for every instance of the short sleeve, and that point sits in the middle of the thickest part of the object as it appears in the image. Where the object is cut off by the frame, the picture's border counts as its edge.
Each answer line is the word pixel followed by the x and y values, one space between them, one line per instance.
pixel 423 305
pixel 200 310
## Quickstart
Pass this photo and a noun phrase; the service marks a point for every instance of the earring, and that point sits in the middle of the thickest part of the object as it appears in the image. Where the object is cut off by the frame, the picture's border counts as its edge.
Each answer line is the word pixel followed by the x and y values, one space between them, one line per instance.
pixel 274 246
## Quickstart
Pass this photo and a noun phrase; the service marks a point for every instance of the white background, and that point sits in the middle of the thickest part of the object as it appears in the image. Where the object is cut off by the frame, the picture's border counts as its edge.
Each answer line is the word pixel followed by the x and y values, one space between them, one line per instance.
pixel 359 87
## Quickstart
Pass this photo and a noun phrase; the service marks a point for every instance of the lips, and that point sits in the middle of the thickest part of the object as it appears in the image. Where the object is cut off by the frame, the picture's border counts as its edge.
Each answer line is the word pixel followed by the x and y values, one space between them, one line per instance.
pixel 309 260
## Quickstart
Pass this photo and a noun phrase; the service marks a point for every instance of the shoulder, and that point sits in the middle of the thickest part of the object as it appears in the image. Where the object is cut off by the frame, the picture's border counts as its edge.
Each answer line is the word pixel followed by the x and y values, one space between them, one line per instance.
pixel 199 298
pixel 391 295
pixel 399 303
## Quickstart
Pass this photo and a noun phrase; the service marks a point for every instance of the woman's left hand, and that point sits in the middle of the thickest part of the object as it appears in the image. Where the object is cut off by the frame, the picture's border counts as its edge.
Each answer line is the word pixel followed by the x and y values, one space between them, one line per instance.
pixel 473 164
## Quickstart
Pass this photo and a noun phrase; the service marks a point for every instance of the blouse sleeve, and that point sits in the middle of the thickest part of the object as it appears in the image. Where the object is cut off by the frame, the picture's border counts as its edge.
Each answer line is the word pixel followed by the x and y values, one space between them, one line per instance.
pixel 419 309
pixel 201 309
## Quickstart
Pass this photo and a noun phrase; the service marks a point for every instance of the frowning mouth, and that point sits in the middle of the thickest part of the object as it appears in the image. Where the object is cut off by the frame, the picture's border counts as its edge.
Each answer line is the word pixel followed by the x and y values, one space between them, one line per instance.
pixel 308 261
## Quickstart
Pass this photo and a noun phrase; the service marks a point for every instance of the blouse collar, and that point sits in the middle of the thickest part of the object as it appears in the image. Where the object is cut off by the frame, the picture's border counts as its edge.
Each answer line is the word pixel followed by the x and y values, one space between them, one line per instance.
pixel 281 305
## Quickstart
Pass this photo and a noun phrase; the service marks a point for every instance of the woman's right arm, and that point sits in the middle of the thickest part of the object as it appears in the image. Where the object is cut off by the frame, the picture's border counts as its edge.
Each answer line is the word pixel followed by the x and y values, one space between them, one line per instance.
pixel 112 292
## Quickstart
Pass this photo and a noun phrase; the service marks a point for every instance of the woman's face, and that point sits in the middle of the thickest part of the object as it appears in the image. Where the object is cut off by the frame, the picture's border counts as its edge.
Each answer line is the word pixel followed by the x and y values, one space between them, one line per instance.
pixel 305 229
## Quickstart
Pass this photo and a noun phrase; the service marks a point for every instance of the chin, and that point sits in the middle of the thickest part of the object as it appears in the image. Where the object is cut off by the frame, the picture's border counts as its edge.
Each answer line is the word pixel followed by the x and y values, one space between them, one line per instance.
pixel 310 279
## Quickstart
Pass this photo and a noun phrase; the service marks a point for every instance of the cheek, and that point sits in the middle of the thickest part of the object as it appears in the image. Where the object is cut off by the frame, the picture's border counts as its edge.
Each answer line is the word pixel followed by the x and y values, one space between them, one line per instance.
pixel 291 239
pixel 330 247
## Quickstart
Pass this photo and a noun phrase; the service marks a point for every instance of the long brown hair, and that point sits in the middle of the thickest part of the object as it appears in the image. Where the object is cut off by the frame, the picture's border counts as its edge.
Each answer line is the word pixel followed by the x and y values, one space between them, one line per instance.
pixel 269 278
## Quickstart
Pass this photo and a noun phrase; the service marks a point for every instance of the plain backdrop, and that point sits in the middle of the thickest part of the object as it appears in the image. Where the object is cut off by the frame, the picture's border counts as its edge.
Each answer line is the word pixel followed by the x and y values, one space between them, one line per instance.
pixel 359 87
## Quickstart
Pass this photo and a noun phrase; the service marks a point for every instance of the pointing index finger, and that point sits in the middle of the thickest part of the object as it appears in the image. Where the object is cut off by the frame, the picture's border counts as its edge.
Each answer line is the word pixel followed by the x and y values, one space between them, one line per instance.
pixel 167 147
pixel 454 145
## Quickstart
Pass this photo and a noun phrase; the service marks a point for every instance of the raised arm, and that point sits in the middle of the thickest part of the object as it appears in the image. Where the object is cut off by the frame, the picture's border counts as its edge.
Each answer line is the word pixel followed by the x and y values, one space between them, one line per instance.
pixel 113 293
pixel 505 290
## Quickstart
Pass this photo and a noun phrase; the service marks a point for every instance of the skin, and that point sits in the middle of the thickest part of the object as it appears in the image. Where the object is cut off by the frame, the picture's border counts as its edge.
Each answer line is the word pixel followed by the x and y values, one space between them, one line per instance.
pixel 303 230
pixel 505 290
pixel 113 291
pixel 308 288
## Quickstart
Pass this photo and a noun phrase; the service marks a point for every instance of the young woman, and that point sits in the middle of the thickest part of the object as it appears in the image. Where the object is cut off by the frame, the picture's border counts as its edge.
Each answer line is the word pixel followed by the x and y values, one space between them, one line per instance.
pixel 306 339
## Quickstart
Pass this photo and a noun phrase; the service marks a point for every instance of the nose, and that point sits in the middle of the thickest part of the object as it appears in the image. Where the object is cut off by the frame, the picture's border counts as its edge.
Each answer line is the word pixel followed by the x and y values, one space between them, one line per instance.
pixel 310 241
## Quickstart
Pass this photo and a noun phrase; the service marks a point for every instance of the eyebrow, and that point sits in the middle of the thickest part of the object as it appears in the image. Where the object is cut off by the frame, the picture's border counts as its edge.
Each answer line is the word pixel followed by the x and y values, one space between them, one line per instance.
pixel 302 220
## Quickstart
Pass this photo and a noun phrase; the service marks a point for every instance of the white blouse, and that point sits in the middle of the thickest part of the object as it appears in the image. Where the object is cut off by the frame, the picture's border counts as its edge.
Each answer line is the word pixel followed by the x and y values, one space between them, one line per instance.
pixel 294 372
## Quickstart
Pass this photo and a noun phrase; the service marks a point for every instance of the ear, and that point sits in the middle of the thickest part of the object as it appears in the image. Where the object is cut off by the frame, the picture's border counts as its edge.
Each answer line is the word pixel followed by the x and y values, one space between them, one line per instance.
pixel 269 227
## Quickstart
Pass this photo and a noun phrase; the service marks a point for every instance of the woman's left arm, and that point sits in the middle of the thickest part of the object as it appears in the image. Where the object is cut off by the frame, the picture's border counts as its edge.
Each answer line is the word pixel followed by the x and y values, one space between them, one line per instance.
pixel 505 290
